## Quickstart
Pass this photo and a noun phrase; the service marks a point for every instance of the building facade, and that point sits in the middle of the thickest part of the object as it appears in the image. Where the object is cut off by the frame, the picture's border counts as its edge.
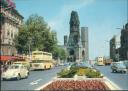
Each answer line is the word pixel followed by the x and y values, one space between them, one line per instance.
pixel 84 40
pixel 77 43
pixel 11 20
pixel 124 43
pixel 115 48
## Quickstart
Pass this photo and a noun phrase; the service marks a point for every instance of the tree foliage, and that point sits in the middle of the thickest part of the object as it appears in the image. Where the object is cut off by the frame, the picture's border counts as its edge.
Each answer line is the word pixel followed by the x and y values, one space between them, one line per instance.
pixel 36 34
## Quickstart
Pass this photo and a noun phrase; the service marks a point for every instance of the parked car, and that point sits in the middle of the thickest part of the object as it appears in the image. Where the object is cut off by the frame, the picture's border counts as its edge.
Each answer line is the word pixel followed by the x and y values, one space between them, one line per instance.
pixel 118 67
pixel 81 64
pixel 15 72
pixel 126 63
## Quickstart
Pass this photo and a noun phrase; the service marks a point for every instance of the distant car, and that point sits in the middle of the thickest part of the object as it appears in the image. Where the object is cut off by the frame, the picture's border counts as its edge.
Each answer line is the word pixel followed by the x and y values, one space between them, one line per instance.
pixel 15 72
pixel 66 64
pixel 83 64
pixel 126 63
pixel 118 67
pixel 61 64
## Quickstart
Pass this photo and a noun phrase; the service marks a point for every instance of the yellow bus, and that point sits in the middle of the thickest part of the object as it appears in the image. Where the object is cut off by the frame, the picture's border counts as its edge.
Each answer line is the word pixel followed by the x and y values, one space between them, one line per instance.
pixel 100 61
pixel 41 60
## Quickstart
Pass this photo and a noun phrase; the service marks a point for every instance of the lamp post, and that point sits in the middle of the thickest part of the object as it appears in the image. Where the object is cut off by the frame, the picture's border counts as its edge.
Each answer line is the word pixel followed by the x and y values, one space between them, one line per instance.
pixel 29 46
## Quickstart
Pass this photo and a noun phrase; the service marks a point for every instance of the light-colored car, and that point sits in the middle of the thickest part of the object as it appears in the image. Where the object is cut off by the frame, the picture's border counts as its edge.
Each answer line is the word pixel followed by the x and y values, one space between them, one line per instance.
pixel 126 63
pixel 118 67
pixel 15 72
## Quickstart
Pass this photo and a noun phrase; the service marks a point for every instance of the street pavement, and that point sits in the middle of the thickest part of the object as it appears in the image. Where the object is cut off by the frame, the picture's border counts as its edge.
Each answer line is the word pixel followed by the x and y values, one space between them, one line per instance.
pixel 118 78
pixel 39 78
pixel 34 81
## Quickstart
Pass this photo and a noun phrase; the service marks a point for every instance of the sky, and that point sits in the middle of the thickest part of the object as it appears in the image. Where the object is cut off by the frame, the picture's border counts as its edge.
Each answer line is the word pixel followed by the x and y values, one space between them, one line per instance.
pixel 102 17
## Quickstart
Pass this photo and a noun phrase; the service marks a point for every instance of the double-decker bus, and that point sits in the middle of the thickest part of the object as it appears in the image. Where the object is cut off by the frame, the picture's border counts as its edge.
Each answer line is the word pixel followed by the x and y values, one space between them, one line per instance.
pixel 41 60
pixel 100 61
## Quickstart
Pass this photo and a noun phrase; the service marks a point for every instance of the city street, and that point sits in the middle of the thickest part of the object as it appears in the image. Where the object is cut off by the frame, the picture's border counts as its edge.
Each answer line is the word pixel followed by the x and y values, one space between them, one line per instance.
pixel 119 79
pixel 35 80
pixel 77 34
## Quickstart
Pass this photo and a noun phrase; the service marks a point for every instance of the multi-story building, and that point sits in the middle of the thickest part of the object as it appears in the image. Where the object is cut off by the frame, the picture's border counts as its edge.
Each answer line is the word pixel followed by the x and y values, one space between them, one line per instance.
pixel 124 43
pixel 115 48
pixel 10 20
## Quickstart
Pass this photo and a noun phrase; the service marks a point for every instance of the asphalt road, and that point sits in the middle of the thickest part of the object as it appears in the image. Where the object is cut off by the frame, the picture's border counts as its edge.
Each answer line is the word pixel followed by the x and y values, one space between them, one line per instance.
pixel 34 81
pixel 119 79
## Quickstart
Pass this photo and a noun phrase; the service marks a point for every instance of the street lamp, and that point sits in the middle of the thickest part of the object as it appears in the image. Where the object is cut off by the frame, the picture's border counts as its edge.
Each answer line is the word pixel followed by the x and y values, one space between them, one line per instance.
pixel 29 47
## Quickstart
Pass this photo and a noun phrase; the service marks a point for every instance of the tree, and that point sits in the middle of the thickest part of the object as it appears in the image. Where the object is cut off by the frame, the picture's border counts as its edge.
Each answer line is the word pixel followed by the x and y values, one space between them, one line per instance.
pixel 62 53
pixel 36 34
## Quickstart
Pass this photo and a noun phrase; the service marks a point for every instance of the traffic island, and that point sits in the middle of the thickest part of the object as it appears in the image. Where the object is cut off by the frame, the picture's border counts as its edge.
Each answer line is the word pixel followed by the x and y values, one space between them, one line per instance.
pixel 79 79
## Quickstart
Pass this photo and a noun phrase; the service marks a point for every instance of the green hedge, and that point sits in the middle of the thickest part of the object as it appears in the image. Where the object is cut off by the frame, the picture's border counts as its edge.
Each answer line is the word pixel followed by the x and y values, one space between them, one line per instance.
pixel 66 73
pixel 80 71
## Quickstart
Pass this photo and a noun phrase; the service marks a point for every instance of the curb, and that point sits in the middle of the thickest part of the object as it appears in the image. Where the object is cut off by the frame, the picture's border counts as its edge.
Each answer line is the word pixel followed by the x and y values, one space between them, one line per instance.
pixel 112 85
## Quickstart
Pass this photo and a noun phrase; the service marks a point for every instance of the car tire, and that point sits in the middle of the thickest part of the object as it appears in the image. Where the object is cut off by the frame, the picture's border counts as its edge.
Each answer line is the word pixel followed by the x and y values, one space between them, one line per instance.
pixel 124 72
pixel 27 75
pixel 18 77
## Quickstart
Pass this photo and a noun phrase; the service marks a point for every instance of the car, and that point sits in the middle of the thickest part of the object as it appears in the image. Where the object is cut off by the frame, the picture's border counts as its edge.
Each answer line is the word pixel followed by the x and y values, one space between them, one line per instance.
pixel 118 67
pixel 81 64
pixel 126 63
pixel 85 64
pixel 15 72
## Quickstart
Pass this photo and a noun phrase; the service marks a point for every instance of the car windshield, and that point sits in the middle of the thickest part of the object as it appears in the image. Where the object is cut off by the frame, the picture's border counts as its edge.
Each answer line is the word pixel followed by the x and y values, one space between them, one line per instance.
pixel 14 67
pixel 121 65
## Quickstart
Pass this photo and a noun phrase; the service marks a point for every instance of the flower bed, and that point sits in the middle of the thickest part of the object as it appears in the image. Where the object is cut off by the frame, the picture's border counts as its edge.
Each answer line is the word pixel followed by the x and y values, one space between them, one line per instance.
pixel 72 85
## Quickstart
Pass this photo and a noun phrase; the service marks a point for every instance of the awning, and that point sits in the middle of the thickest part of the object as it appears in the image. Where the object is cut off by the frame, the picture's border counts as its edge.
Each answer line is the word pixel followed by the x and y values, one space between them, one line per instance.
pixel 7 58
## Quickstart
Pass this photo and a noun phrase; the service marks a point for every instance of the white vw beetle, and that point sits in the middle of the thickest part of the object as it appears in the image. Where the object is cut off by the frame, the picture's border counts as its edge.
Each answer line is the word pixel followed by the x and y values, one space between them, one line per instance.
pixel 15 71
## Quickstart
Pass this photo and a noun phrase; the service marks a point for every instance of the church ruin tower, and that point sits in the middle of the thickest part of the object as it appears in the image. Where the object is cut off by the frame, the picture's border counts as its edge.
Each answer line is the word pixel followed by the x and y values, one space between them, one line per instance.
pixel 74 37
pixel 77 44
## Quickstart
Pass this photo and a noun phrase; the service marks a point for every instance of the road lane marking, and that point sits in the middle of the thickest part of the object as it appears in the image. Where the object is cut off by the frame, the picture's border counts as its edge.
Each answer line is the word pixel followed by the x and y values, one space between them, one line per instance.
pixel 49 82
pixel 35 82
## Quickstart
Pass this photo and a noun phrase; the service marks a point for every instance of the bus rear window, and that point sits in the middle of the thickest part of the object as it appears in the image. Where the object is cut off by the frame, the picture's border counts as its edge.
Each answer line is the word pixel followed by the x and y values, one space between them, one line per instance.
pixel 37 61
pixel 37 53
